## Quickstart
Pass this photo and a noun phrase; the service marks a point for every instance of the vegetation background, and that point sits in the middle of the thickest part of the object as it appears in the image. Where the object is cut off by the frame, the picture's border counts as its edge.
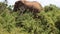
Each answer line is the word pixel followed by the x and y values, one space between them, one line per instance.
pixel 13 23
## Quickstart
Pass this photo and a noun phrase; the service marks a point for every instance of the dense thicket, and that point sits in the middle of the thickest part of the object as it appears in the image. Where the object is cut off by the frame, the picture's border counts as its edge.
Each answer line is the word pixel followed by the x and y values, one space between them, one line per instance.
pixel 11 22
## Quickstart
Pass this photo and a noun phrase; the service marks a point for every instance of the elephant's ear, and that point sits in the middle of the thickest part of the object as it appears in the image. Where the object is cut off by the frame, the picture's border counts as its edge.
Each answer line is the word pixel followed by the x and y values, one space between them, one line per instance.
pixel 17 5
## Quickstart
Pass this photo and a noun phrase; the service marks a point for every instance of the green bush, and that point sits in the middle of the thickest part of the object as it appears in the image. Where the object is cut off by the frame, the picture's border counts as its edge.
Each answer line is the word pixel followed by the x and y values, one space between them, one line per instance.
pixel 48 21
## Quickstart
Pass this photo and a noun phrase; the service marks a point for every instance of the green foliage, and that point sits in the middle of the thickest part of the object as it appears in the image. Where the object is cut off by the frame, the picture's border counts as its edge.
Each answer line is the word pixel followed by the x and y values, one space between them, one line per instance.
pixel 48 21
